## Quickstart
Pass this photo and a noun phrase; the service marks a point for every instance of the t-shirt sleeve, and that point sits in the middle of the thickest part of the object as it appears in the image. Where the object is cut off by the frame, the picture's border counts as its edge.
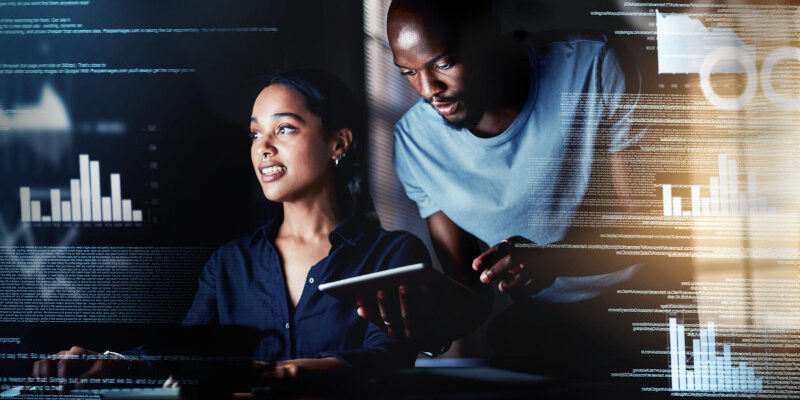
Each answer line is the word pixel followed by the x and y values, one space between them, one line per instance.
pixel 621 85
pixel 406 172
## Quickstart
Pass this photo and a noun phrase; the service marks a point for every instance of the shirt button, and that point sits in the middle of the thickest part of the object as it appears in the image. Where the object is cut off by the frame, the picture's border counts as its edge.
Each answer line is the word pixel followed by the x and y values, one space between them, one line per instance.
pixel 286 326
pixel 311 280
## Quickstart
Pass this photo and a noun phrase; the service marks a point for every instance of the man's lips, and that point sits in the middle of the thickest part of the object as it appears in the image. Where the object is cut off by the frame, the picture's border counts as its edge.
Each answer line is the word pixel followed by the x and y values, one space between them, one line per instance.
pixel 271 171
pixel 445 107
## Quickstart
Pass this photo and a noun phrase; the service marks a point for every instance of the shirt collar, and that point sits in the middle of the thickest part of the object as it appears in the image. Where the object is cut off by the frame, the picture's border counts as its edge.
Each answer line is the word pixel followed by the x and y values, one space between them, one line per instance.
pixel 349 231
pixel 353 228
pixel 270 228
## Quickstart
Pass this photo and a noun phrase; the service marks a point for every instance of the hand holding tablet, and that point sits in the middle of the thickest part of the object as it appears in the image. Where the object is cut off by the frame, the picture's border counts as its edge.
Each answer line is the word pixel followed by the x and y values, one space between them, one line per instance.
pixel 415 302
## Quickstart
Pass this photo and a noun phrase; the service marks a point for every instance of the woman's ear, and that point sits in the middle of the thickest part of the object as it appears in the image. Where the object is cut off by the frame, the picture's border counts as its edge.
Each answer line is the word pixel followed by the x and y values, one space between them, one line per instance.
pixel 341 143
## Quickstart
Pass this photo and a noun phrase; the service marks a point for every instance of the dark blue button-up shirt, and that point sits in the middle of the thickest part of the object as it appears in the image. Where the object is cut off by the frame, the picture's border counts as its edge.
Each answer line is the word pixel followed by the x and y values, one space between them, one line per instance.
pixel 243 285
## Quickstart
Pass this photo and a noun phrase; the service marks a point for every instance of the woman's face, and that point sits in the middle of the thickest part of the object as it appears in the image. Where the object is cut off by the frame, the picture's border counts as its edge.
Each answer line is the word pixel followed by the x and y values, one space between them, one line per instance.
pixel 290 153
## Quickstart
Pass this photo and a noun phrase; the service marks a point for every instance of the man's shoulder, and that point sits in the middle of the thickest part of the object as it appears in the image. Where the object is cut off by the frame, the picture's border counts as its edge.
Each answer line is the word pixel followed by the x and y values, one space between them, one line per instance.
pixel 544 42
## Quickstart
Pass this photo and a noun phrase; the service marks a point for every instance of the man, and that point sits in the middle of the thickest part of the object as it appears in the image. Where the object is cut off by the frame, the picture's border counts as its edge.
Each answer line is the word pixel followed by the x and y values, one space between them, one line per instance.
pixel 500 151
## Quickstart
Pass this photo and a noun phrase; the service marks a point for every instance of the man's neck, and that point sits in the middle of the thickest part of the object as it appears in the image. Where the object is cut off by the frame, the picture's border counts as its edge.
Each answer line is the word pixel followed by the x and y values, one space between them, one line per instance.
pixel 512 80
pixel 495 122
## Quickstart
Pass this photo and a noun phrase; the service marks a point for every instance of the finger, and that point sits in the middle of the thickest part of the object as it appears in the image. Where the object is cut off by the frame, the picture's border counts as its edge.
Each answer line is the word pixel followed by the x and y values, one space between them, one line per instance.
pixel 509 284
pixel 383 311
pixel 77 350
pixel 99 369
pixel 497 269
pixel 282 372
pixel 259 366
pixel 484 259
pixel 402 293
pixel 370 315
pixel 39 369
pixel 63 368
pixel 46 368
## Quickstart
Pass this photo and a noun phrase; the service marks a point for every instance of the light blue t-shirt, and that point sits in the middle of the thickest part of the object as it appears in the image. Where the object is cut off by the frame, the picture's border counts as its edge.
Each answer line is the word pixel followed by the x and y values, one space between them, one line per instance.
pixel 530 179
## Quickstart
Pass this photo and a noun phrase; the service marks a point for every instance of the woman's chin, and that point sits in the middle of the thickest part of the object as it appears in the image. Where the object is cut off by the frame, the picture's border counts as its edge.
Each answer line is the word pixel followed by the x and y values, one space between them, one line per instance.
pixel 272 194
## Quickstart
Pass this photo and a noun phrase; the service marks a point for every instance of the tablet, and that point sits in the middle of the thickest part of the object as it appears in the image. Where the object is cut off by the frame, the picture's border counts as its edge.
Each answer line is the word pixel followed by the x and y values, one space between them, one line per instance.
pixel 361 290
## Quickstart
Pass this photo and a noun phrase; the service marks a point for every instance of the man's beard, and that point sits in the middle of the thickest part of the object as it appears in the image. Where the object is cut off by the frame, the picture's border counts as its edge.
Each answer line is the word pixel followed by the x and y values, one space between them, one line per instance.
pixel 470 120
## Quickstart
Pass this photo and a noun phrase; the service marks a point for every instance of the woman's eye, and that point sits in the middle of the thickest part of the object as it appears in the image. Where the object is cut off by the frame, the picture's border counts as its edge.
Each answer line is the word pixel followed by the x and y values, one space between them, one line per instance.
pixel 285 129
pixel 256 135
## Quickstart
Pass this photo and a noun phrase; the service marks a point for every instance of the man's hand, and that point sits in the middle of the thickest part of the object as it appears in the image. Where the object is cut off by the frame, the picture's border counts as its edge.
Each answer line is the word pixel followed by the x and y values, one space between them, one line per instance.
pixel 409 313
pixel 85 364
pixel 505 264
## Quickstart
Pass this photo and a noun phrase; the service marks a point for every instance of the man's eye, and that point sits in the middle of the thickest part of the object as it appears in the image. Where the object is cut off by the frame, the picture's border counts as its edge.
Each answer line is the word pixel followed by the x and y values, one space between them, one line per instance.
pixel 255 135
pixel 407 72
pixel 444 66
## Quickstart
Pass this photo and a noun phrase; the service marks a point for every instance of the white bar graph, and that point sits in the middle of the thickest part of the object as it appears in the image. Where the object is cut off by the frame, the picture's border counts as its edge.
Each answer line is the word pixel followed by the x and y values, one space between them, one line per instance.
pixel 127 213
pixel 116 198
pixel 105 205
pixel 724 197
pixel 25 203
pixel 86 194
pixel 667 192
pixel 676 207
pixel 75 197
pixel 94 176
pixel 713 184
pixel 36 211
pixel 710 372
pixel 723 184
pixel 733 187
pixel 85 204
pixel 55 204
pixel 66 211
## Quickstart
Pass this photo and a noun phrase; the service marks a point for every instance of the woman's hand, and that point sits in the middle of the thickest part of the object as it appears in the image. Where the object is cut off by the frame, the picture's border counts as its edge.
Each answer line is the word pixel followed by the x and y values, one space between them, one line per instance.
pixel 296 369
pixel 84 364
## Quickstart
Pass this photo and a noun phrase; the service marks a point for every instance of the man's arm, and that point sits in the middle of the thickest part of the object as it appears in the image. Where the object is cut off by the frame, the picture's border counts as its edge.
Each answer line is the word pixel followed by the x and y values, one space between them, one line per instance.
pixel 455 249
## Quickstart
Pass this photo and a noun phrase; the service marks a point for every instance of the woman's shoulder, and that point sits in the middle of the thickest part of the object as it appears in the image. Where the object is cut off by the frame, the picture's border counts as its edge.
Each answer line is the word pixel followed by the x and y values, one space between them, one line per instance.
pixel 401 245
pixel 399 237
pixel 237 251
pixel 372 231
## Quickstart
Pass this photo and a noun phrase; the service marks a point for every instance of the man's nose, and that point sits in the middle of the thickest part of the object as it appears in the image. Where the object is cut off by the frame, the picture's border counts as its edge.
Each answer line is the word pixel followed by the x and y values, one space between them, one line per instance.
pixel 430 85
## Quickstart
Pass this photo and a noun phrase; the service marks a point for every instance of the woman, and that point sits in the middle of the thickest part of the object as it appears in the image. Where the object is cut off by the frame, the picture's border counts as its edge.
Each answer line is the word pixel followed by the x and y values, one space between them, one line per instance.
pixel 304 130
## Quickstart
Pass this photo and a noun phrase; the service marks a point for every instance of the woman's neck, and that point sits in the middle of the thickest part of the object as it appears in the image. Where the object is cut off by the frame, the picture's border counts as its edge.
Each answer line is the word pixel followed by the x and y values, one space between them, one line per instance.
pixel 311 217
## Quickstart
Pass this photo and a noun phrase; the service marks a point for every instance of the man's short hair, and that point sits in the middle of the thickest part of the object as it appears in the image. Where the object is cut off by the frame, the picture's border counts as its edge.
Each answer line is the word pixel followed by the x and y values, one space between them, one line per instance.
pixel 454 22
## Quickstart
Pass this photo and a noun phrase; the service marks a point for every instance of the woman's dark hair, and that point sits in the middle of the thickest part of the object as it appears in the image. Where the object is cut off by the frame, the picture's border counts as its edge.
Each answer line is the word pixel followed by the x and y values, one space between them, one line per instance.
pixel 330 99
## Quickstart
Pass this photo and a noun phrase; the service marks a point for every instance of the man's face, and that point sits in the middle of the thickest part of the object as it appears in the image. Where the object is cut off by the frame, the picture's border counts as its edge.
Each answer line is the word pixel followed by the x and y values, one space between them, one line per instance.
pixel 432 70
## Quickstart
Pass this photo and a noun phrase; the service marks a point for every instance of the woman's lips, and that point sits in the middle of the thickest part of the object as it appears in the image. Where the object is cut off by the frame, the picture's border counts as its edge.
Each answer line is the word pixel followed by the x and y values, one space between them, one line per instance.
pixel 271 171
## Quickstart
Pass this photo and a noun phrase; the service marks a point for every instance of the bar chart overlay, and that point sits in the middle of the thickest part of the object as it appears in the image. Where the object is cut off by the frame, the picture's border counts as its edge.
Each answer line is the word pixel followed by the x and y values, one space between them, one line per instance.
pixel 709 371
pixel 83 202
pixel 724 197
